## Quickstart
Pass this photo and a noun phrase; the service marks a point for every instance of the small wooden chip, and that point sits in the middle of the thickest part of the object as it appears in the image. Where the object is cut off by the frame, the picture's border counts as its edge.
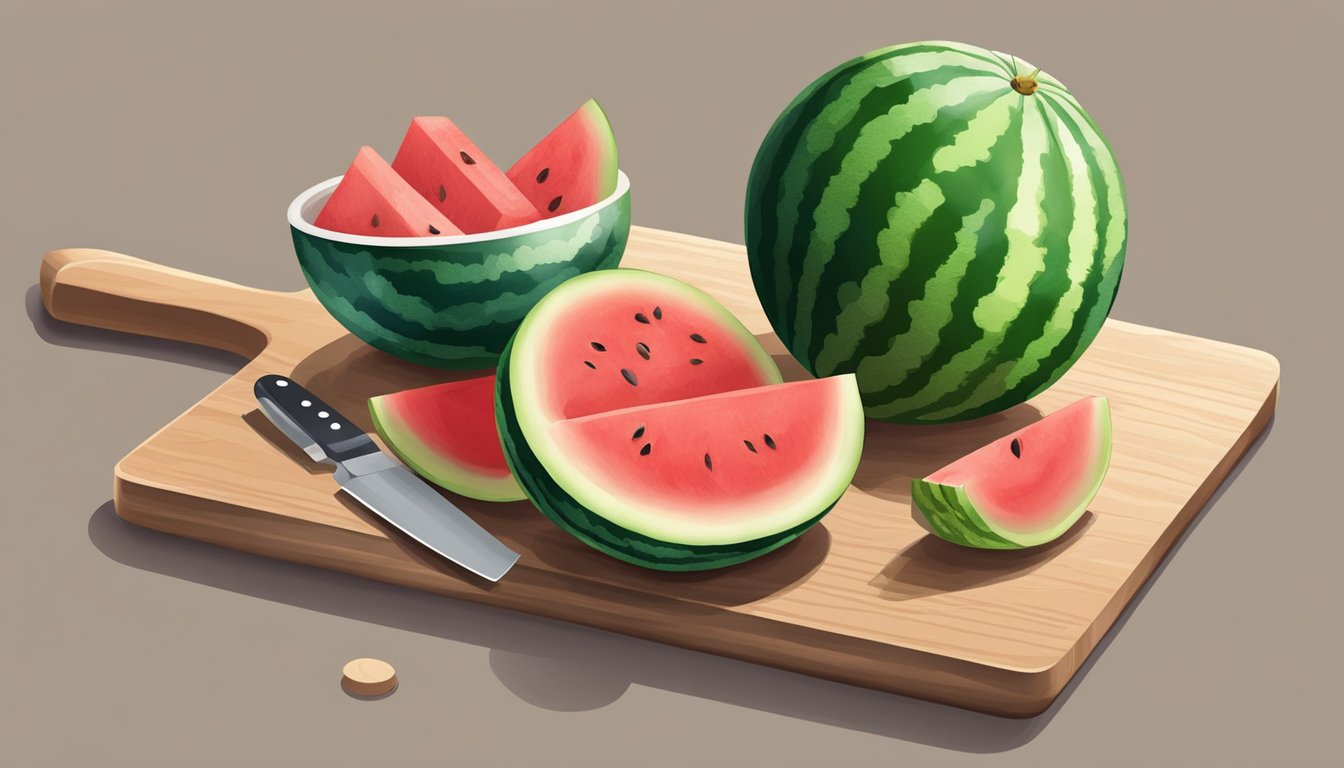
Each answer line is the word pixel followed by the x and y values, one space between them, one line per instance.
pixel 368 677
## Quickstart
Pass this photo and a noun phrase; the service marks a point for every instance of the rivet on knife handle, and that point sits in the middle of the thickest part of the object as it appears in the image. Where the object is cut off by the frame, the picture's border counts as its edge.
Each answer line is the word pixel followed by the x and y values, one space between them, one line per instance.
pixel 329 434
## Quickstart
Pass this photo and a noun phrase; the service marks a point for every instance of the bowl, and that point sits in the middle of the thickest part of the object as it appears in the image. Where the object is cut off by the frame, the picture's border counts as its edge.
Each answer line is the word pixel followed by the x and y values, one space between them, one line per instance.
pixel 453 301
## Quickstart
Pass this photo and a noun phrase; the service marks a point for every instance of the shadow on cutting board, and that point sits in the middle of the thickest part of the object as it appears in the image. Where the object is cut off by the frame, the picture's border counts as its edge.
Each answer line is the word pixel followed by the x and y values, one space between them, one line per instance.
pixel 549 664
pixel 932 566
pixel 890 458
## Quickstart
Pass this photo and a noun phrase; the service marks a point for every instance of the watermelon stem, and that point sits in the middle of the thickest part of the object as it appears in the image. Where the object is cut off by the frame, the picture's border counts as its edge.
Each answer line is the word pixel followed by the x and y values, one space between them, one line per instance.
pixel 1025 84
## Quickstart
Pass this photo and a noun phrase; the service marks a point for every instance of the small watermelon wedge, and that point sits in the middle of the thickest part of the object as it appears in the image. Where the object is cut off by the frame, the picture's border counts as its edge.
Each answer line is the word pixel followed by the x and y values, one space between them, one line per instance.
pixel 446 433
pixel 573 167
pixel 1024 489
pixel 438 160
pixel 373 200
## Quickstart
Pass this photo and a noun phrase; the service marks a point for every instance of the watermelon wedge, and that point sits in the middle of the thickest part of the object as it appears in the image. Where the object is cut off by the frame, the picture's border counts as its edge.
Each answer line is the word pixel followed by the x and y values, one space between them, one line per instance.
pixel 373 200
pixel 573 167
pixel 446 433
pixel 699 465
pixel 641 417
pixel 1026 488
pixel 438 160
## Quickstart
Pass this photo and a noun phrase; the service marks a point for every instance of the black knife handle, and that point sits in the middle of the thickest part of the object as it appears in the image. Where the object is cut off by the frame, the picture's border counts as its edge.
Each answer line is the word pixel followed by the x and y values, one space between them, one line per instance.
pixel 338 438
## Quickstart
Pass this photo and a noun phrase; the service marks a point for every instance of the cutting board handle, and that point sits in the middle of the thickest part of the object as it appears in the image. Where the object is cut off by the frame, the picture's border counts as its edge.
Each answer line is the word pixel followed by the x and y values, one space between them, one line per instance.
pixel 111 290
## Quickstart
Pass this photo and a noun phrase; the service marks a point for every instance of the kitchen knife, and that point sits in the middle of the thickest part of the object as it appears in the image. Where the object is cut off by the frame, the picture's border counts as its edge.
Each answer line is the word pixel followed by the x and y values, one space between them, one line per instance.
pixel 378 481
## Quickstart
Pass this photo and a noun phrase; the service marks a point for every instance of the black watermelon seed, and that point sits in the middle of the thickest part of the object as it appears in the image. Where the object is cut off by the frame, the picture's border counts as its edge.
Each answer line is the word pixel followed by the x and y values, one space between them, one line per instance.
pixel 657 313
pixel 541 177
pixel 590 365
pixel 467 158
pixel 750 447
pixel 555 203
pixel 443 193
pixel 769 442
pixel 709 463
pixel 1016 448
pixel 630 377
pixel 433 230
pixel 643 350
pixel 696 361
pixel 638 433
pixel 375 221
pixel 698 339
pixel 646 449
pixel 640 318
pixel 598 347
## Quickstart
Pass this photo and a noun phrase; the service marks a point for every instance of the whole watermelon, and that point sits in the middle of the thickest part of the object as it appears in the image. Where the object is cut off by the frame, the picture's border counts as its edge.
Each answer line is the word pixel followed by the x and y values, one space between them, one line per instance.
pixel 944 221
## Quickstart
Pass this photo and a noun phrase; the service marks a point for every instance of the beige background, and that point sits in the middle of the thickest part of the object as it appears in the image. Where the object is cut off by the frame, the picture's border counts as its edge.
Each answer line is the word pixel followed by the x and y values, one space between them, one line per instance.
pixel 180 134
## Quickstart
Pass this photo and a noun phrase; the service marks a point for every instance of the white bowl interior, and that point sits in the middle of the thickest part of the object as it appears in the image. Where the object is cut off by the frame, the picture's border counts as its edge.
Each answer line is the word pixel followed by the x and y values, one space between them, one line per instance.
pixel 305 208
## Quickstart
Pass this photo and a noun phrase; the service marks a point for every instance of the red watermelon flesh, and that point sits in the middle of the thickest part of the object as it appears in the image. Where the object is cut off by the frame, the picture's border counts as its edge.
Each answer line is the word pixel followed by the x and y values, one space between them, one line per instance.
pixel 643 418
pixel 446 433
pixel 698 465
pixel 373 200
pixel 629 349
pixel 573 167
pixel 438 160
pixel 1026 488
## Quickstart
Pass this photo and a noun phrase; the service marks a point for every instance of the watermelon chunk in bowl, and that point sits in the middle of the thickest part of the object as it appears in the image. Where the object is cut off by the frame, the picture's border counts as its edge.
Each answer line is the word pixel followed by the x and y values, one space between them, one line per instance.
pixel 451 302
pixel 374 200
pixel 572 167
pixel 446 167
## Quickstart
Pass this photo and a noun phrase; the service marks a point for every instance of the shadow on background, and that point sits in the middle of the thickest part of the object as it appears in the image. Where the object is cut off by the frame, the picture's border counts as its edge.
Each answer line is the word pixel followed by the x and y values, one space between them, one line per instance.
pixel 553 665
pixel 563 667
pixel 567 668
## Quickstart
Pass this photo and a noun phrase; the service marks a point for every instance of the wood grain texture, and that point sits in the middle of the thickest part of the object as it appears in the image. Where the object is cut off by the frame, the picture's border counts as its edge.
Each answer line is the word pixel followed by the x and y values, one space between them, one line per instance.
pixel 866 598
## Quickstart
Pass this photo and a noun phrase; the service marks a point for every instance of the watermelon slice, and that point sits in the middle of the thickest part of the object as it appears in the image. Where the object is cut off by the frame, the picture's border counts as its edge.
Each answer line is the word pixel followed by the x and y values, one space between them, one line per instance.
pixel 699 464
pixel 373 200
pixel 446 433
pixel 1026 488
pixel 438 160
pixel 641 417
pixel 573 167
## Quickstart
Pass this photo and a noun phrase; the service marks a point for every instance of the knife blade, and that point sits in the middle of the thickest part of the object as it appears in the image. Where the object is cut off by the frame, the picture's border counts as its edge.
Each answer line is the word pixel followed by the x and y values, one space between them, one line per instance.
pixel 379 482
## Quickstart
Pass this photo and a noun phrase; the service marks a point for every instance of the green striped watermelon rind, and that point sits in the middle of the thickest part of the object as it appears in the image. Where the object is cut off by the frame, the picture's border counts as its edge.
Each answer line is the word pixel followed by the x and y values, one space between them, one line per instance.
pixel 877 226
pixel 951 516
pixel 451 302
pixel 601 534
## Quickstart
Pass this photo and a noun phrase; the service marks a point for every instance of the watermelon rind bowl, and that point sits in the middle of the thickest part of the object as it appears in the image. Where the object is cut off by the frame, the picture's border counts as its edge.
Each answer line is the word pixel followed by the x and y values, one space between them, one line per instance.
pixel 451 301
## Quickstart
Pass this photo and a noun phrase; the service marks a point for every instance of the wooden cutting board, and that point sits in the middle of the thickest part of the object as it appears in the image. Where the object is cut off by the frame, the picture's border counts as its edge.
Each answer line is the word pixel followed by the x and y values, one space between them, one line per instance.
pixel 866 598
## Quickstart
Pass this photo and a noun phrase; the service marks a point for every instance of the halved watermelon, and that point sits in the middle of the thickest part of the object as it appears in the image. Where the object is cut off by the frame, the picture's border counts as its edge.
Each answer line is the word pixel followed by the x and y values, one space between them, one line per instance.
pixel 573 167
pixel 438 160
pixel 1026 488
pixel 641 417
pixel 373 200
pixel 446 433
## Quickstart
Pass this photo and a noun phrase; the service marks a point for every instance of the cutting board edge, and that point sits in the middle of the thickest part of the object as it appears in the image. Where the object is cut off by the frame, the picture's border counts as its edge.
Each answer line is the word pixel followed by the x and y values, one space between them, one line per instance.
pixel 1091 638
pixel 886 667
